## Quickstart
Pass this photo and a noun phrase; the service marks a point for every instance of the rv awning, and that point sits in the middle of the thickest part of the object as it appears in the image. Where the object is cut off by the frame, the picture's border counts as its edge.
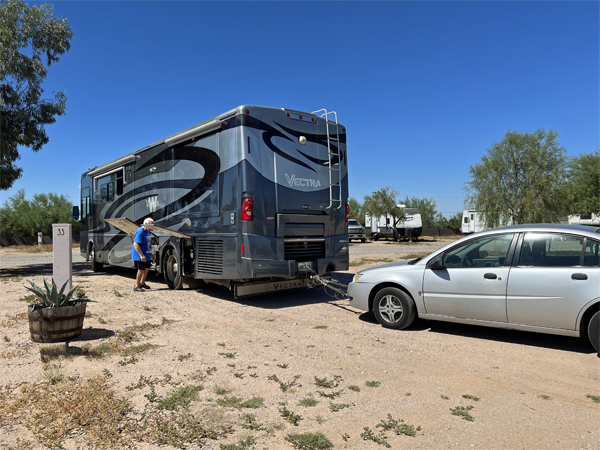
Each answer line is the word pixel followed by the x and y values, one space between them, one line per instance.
pixel 169 231
pixel 125 225
pixel 130 228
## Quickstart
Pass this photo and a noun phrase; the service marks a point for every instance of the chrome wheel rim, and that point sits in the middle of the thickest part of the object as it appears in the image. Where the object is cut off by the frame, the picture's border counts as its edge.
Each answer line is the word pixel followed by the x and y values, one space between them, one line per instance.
pixel 390 308
pixel 172 267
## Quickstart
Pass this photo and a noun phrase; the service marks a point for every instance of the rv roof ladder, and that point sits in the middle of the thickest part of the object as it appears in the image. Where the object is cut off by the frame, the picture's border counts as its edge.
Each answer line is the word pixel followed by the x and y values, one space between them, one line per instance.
pixel 334 181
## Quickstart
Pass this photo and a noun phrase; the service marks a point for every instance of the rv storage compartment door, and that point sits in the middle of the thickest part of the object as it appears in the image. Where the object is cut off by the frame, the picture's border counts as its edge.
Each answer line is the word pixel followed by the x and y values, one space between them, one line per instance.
pixel 216 257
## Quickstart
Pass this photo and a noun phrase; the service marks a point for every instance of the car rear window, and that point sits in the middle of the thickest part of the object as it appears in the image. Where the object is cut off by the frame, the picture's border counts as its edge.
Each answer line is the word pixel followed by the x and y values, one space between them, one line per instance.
pixel 551 250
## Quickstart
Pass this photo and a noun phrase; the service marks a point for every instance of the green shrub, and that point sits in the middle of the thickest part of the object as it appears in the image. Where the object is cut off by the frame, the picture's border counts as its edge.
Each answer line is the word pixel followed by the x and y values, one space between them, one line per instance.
pixel 309 441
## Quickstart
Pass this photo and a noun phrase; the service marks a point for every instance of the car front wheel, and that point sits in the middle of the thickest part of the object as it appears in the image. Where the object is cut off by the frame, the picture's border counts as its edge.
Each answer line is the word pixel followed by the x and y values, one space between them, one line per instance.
pixel 394 308
pixel 593 332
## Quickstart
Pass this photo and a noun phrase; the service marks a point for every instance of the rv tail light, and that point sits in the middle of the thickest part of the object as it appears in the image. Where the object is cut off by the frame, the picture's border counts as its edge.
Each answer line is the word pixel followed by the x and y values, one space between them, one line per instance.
pixel 242 249
pixel 247 208
pixel 347 212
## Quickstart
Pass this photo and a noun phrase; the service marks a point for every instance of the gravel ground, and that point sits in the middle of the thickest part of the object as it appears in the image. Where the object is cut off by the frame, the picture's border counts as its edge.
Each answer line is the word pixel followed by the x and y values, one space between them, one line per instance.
pixel 531 389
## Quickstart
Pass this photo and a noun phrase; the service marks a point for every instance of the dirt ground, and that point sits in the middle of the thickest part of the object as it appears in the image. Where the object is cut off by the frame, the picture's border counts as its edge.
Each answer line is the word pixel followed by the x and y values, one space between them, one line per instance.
pixel 292 350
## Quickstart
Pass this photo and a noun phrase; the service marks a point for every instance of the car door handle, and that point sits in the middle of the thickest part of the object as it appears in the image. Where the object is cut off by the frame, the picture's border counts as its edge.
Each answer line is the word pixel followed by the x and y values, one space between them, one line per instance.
pixel 579 276
pixel 490 276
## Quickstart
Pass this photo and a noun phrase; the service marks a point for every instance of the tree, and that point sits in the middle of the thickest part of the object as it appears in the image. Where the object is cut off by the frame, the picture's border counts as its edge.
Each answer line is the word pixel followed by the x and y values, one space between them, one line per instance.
pixel 27 36
pixel 520 179
pixel 455 222
pixel 355 208
pixel 428 208
pixel 583 187
pixel 20 217
pixel 383 202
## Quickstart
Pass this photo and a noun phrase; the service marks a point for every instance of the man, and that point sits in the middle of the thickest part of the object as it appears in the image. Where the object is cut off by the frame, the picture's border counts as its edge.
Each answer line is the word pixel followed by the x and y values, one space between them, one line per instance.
pixel 141 253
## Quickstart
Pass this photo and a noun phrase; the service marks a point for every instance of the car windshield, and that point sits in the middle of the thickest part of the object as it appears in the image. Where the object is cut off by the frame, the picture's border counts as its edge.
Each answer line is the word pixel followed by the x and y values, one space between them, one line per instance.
pixel 353 222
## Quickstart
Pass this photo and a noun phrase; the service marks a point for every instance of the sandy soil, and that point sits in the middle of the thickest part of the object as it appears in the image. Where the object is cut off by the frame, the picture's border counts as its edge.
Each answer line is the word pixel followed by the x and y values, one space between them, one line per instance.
pixel 532 388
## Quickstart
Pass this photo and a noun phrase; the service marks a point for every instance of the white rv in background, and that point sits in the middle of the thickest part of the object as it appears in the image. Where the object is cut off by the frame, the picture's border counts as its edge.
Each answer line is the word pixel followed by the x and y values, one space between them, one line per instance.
pixel 585 219
pixel 472 221
pixel 411 227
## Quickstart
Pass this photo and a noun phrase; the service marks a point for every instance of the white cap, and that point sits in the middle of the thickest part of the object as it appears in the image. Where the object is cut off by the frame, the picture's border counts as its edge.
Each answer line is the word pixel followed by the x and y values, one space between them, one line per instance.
pixel 148 221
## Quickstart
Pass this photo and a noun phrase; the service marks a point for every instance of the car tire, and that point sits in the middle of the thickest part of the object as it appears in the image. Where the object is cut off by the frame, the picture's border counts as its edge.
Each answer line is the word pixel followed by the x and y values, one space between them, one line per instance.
pixel 394 308
pixel 593 333
pixel 172 270
pixel 363 240
pixel 96 265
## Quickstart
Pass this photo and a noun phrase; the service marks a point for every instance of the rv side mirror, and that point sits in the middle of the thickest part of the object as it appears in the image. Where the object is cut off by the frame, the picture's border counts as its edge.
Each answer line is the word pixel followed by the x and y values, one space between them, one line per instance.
pixel 436 263
pixel 76 212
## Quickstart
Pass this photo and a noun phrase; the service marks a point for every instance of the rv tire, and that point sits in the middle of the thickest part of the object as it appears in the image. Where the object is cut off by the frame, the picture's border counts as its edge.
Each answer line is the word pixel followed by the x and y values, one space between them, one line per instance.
pixel 172 269
pixel 96 266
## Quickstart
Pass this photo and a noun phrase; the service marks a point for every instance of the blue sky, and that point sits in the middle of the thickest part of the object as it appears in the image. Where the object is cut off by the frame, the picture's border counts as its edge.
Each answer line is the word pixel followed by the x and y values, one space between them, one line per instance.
pixel 423 88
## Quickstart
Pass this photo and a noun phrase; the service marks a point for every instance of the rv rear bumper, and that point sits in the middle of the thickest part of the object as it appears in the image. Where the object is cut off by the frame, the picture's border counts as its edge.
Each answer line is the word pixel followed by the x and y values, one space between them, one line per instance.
pixel 255 268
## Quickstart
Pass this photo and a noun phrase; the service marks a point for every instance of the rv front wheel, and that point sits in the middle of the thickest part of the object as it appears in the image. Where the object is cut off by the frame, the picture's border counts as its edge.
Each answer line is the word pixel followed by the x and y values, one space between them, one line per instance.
pixel 96 266
pixel 172 270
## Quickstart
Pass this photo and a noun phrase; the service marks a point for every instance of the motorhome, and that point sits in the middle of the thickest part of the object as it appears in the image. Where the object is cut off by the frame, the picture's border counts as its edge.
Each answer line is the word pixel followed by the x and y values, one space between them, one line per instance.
pixel 411 227
pixel 255 199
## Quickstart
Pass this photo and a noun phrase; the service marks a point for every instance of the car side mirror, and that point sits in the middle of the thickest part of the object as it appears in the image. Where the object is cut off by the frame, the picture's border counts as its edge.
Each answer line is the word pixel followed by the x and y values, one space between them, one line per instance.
pixel 76 212
pixel 437 263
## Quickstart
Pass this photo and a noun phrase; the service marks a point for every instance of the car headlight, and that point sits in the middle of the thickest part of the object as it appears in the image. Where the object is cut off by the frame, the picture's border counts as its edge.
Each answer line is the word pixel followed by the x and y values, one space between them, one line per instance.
pixel 356 277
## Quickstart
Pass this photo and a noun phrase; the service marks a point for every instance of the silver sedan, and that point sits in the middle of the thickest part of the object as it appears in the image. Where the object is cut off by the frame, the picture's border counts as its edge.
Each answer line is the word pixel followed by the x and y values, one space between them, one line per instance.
pixel 541 278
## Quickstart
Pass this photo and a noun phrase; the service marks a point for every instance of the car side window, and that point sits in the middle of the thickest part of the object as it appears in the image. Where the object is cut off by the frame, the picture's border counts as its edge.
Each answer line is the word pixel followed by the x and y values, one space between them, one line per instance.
pixel 591 257
pixel 488 251
pixel 551 250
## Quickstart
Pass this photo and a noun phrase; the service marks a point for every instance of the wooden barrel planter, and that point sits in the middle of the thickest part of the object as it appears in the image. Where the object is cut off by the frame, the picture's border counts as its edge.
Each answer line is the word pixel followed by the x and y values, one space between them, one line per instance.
pixel 60 324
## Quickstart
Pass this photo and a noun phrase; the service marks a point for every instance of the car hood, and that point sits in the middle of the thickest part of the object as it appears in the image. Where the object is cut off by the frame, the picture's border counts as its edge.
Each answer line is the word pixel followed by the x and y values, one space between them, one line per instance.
pixel 389 265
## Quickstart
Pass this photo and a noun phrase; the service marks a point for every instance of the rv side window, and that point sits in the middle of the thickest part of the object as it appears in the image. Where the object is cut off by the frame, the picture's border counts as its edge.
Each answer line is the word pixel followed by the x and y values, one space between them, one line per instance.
pixel 85 202
pixel 103 192
pixel 110 193
pixel 466 220
pixel 119 182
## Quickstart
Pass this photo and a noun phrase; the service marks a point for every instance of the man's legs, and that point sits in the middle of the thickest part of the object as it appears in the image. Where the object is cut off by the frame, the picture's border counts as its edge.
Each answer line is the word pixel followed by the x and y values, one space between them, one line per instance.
pixel 140 277
pixel 143 276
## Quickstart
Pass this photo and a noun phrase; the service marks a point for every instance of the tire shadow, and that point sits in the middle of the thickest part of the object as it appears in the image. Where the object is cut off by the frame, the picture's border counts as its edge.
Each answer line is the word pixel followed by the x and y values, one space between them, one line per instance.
pixel 550 341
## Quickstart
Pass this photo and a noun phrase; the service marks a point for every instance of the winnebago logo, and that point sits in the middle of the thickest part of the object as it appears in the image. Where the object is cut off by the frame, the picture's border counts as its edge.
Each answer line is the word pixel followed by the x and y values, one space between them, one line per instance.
pixel 152 203
pixel 310 182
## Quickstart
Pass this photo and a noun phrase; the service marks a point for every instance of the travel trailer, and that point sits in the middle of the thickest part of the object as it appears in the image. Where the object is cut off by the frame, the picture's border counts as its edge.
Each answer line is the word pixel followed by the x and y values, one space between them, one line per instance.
pixel 254 199
pixel 585 219
pixel 472 221
pixel 411 227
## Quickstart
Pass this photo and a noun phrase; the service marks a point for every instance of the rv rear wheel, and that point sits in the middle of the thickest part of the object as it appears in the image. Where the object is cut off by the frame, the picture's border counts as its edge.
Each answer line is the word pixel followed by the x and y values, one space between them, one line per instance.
pixel 172 270
pixel 96 266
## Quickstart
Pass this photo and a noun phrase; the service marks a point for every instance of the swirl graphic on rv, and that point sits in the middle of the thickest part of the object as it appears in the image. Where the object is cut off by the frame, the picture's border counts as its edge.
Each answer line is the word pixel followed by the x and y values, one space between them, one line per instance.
pixel 188 190
pixel 177 171
pixel 269 133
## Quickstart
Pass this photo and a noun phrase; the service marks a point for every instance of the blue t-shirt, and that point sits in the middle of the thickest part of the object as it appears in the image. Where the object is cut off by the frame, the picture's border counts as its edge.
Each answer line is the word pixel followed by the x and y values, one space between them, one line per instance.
pixel 142 237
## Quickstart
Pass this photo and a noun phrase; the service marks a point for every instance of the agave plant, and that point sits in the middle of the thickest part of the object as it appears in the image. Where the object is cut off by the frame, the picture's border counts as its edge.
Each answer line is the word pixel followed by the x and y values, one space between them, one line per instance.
pixel 51 297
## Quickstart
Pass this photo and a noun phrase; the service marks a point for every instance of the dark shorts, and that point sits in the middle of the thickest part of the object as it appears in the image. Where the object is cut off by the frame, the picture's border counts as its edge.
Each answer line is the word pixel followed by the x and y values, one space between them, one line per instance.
pixel 142 265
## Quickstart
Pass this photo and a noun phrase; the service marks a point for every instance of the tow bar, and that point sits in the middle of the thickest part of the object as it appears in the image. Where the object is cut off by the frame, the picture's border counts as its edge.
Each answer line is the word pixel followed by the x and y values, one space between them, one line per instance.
pixel 340 290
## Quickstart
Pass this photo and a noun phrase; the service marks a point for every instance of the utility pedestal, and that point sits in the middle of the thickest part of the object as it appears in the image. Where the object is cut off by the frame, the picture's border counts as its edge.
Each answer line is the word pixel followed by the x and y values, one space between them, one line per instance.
pixel 62 255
